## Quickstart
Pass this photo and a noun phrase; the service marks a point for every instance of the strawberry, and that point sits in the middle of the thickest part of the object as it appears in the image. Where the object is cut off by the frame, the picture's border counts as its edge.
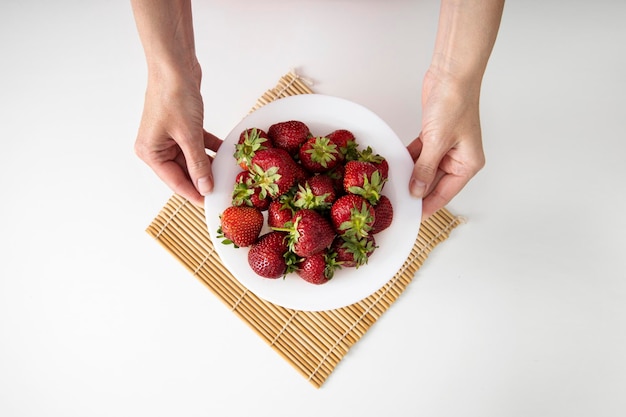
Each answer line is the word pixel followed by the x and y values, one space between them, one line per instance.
pixel 250 141
pixel 318 268
pixel 309 232
pixel 321 185
pixel 364 179
pixel 383 213
pixel 319 154
pixel 336 174
pixel 346 143
pixel 240 225
pixel 381 164
pixel 383 168
pixel 279 213
pixel 300 173
pixel 289 135
pixel 317 193
pixel 353 252
pixel 247 192
pixel 273 171
pixel 352 215
pixel 243 189
pixel 269 256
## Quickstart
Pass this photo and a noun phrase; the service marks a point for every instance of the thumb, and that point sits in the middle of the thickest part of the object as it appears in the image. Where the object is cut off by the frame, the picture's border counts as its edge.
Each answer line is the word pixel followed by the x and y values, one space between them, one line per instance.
pixel 424 170
pixel 198 166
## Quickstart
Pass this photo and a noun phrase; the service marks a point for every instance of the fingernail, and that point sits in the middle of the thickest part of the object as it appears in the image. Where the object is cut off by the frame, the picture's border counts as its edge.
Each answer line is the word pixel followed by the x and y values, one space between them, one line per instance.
pixel 417 188
pixel 205 185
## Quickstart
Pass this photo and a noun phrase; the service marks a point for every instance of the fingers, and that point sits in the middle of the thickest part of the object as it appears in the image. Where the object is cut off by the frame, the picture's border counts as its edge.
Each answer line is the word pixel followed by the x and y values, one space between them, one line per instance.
pixel 198 163
pixel 198 166
pixel 415 148
pixel 173 174
pixel 438 176
pixel 184 165
pixel 211 141
pixel 427 158
pixel 445 189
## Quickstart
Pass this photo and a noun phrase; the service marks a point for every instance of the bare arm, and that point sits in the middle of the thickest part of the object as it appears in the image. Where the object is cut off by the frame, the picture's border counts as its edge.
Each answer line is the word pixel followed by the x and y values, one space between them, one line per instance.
pixel 171 138
pixel 166 31
pixel 465 37
pixel 448 151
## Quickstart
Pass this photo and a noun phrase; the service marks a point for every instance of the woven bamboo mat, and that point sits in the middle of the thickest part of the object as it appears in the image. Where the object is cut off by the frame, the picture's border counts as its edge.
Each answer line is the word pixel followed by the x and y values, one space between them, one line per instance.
pixel 312 342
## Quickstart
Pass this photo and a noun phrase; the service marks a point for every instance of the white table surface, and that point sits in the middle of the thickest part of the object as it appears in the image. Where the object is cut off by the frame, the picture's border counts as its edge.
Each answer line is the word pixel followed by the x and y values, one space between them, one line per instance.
pixel 522 312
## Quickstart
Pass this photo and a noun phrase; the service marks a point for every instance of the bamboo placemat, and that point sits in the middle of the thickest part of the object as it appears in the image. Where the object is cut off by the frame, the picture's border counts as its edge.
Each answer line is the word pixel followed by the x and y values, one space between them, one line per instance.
pixel 312 342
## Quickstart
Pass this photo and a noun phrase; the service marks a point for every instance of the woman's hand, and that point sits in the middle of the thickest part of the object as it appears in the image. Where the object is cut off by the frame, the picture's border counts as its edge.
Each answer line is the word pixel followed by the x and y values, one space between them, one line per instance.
pixel 171 139
pixel 448 152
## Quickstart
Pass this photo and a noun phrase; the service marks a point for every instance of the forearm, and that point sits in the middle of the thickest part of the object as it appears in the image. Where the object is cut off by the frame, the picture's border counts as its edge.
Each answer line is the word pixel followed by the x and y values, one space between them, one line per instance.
pixel 166 31
pixel 465 37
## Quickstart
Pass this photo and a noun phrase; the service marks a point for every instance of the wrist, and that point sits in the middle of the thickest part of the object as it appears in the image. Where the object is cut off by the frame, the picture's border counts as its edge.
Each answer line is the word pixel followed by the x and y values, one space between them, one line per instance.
pixel 462 83
pixel 173 66
pixel 175 71
pixel 466 74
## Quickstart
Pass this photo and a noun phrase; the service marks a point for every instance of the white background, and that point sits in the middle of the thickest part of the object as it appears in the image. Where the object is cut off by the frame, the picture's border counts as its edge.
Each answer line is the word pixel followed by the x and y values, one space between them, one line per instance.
pixel 522 312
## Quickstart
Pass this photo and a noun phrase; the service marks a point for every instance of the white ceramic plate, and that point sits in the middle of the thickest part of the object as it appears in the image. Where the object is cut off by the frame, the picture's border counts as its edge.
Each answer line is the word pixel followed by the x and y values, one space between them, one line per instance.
pixel 323 114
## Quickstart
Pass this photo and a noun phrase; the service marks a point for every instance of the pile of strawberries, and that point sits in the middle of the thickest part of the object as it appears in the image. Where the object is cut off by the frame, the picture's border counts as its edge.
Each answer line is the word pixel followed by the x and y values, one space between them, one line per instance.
pixel 323 198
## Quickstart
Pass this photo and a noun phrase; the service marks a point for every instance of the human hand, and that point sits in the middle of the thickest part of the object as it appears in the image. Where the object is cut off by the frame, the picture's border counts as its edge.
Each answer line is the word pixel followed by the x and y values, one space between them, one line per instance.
pixel 448 152
pixel 171 139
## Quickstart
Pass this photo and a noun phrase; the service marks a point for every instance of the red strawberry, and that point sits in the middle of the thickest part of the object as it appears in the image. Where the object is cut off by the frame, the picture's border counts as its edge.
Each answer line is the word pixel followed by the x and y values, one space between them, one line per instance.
pixel 309 232
pixel 383 214
pixel 300 173
pixel 321 185
pixel 318 268
pixel 248 193
pixel 243 189
pixel 250 141
pixel 279 213
pixel 368 155
pixel 319 154
pixel 267 257
pixel 289 135
pixel 317 193
pixel 240 225
pixel 352 253
pixel 352 215
pixel 364 179
pixel 346 143
pixel 336 174
pixel 383 167
pixel 273 171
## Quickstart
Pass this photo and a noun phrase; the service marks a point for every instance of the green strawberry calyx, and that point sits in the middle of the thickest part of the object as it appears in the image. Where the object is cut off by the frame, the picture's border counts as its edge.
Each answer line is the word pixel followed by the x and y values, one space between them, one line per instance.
pixel 359 248
pixel 251 144
pixel 242 192
pixel 371 188
pixel 350 151
pixel 323 151
pixel 360 223
pixel 224 239
pixel 293 235
pixel 331 264
pixel 305 198
pixel 368 155
pixel 267 180
pixel 291 260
